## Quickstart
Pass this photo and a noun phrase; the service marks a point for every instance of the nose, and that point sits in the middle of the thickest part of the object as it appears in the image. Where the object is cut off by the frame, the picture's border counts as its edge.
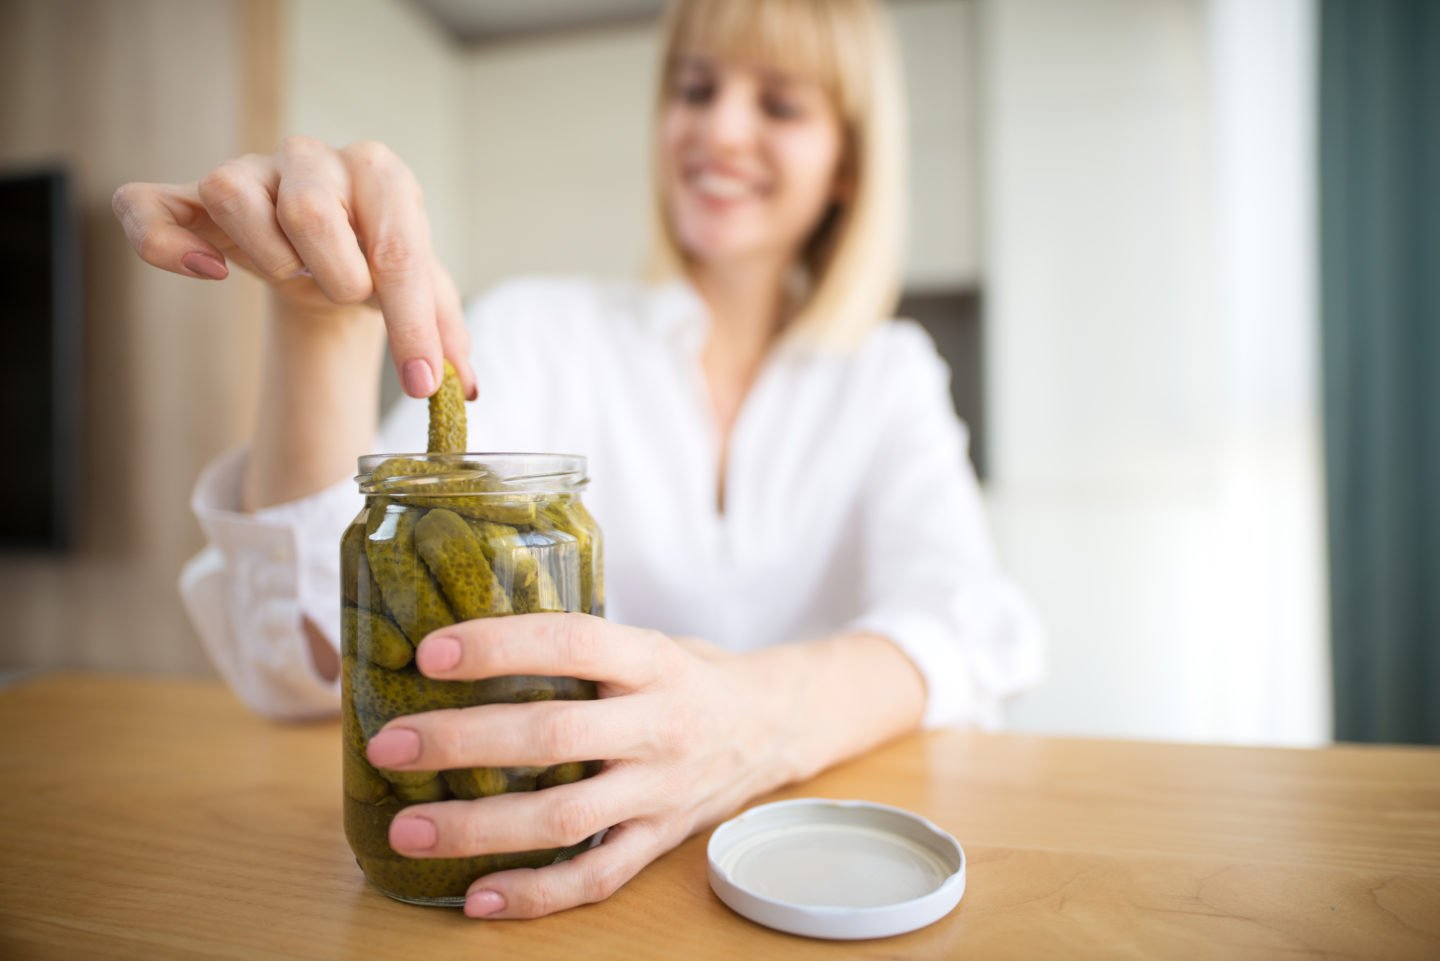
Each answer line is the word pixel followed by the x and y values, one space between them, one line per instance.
pixel 729 123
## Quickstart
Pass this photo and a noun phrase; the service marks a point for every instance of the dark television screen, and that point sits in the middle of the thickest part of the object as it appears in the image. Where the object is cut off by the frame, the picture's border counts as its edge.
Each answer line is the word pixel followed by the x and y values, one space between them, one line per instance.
pixel 40 375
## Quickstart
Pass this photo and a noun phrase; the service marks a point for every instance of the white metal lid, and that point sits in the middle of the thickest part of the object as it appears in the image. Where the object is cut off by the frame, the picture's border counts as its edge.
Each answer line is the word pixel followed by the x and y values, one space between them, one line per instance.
pixel 836 869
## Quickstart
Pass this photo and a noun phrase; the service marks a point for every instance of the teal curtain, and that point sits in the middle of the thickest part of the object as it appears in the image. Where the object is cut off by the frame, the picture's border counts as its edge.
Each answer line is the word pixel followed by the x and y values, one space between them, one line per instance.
pixel 1380 301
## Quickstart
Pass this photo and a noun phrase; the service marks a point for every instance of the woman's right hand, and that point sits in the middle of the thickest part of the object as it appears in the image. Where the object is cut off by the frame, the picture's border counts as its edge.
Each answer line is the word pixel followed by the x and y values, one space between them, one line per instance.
pixel 328 229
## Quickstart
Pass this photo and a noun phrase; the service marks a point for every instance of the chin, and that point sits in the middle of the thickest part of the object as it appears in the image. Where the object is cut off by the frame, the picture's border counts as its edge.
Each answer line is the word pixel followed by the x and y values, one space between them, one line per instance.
pixel 719 247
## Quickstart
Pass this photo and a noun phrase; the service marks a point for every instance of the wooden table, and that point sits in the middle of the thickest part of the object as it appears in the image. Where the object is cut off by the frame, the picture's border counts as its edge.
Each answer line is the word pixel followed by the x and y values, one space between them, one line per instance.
pixel 158 819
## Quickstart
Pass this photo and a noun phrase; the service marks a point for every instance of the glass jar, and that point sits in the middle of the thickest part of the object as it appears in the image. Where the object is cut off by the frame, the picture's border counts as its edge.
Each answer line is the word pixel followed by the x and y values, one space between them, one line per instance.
pixel 446 538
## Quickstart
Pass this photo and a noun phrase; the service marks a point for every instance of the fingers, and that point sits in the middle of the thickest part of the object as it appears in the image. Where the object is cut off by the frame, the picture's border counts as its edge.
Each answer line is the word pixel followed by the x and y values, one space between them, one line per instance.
pixel 157 219
pixel 312 210
pixel 353 221
pixel 556 817
pixel 590 877
pixel 572 645
pixel 393 233
pixel 503 735
pixel 239 195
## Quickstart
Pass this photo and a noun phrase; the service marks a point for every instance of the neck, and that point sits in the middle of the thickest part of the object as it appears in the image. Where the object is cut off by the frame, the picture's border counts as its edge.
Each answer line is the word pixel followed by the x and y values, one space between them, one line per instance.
pixel 747 309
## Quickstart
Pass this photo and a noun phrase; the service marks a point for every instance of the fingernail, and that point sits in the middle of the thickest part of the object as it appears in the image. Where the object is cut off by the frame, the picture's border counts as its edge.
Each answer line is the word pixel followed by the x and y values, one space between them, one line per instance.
pixel 482 904
pixel 419 378
pixel 394 746
pixel 203 265
pixel 413 834
pixel 474 392
pixel 438 654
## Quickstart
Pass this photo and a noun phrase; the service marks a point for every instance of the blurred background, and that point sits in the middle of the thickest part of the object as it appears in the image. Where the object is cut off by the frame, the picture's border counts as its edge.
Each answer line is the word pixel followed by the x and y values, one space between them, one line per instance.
pixel 1179 253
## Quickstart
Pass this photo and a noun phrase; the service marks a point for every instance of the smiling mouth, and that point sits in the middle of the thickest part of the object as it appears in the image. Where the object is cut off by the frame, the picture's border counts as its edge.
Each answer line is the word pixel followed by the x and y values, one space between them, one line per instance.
pixel 722 187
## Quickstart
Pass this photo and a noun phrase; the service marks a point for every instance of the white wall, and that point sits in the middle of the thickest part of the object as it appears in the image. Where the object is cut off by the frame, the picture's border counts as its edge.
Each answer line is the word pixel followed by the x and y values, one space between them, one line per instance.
pixel 1167 526
pixel 559 135
pixel 558 153
pixel 940 53
pixel 382 70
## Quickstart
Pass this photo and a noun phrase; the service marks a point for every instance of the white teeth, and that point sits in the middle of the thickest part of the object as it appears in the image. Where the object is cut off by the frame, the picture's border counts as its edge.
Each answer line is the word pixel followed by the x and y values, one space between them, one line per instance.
pixel 720 186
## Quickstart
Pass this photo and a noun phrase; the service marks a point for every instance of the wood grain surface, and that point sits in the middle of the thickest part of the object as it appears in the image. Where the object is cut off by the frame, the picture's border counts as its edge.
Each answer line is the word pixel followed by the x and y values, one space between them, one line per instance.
pixel 156 818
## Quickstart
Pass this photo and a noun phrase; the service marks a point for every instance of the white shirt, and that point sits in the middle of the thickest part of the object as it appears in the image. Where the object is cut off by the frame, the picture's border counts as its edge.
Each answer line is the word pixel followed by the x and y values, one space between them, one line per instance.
pixel 850 503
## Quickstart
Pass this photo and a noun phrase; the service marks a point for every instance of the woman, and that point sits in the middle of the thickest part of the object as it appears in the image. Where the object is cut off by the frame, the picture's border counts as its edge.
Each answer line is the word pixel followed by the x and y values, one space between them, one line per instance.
pixel 778 471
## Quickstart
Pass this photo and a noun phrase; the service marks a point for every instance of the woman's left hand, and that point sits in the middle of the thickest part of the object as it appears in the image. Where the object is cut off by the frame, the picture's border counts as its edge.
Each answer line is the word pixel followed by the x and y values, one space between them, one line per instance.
pixel 688 734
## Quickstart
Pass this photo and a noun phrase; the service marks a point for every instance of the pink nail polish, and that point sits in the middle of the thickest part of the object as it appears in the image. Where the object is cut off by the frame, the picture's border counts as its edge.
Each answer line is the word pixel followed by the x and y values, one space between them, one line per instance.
pixel 482 904
pixel 203 265
pixel 419 378
pixel 438 654
pixel 394 747
pixel 412 834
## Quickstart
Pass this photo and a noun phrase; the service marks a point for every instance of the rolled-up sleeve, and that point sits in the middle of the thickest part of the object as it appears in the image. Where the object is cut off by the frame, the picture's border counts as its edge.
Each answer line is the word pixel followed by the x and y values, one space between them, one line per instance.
pixel 933 584
pixel 260 576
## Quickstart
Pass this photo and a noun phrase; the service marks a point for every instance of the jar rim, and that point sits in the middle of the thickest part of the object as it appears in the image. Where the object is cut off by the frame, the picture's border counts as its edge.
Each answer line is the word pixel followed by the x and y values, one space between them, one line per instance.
pixel 518 472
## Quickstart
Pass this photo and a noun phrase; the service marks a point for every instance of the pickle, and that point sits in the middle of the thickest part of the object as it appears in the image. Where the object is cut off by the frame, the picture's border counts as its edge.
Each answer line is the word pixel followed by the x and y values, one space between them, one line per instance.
pixel 595 553
pixel 448 431
pixel 367 826
pixel 432 790
pixel 412 597
pixel 567 773
pixel 380 695
pixel 415 787
pixel 452 551
pixel 352 734
pixel 467 489
pixel 358 723
pixel 571 518
pixel 375 638
pixel 571 689
pixel 538 593
pixel 497 540
pixel 502 509
pixel 528 688
pixel 357 583
pixel 522 778
pixel 517 563
pixel 425 878
pixel 409 779
pixel 476 782
pixel 363 782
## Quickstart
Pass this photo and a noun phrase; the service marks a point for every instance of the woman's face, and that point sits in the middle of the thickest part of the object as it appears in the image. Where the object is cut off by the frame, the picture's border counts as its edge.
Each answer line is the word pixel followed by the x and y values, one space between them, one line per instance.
pixel 748 159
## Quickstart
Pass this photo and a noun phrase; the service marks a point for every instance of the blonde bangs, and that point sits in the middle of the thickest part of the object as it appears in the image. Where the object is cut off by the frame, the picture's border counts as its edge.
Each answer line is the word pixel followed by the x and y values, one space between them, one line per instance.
pixel 795 37
pixel 850 267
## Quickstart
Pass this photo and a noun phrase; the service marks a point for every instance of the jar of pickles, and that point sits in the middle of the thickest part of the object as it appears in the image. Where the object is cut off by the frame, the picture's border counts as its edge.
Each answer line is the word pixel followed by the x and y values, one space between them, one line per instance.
pixel 442 538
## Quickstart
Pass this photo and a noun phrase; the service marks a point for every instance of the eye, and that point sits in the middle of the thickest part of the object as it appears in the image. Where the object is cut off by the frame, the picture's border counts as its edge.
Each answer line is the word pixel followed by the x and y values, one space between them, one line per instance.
pixel 692 84
pixel 780 107
pixel 695 91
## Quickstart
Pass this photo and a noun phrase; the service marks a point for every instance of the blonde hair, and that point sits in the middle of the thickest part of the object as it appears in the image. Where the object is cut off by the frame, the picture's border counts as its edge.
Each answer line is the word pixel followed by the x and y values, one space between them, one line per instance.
pixel 851 263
